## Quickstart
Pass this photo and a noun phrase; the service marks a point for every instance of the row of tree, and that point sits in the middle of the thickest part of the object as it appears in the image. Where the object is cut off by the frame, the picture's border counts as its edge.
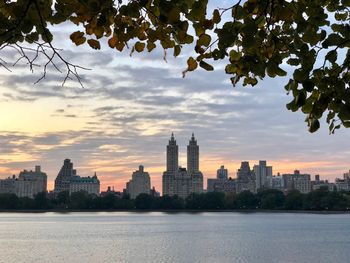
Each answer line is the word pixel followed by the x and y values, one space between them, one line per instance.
pixel 319 200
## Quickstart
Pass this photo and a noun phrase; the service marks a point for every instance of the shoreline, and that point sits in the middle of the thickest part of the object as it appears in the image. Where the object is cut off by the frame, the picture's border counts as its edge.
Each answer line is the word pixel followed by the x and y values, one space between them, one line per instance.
pixel 172 211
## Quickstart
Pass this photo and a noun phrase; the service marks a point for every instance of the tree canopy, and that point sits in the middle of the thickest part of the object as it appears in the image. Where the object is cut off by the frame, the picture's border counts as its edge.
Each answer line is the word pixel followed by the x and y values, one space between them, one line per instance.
pixel 255 38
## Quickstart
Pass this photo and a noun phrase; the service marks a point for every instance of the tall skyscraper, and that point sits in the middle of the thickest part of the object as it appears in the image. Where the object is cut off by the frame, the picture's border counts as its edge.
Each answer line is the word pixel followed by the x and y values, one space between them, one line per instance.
pixel 262 172
pixel 177 180
pixel 192 156
pixel 172 155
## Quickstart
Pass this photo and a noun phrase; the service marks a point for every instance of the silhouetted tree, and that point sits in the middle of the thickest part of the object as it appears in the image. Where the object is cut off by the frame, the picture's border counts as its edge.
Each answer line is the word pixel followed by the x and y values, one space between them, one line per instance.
pixel 271 199
pixel 41 201
pixel 294 200
pixel 247 200
pixel 231 201
pixel 144 201
pixel 80 200
pixel 9 201
pixel 62 199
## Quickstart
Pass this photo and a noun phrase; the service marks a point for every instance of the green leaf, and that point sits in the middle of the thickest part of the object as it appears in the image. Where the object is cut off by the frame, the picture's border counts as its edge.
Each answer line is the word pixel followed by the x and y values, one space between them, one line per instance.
pixel 205 65
pixel 235 56
pixel 204 40
pixel 314 125
pixel 177 50
pixel 332 56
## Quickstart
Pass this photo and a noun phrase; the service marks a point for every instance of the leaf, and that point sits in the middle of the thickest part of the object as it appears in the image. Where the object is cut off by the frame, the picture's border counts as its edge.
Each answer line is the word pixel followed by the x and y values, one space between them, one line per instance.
pixel 332 56
pixel 177 50
pixel 94 44
pixel 139 46
pixel 274 70
pixel 216 16
pixel 192 64
pixel 112 42
pixel 206 66
pixel 314 125
pixel 308 85
pixel 293 61
pixel 204 40
pixel 150 46
pixel 78 38
pixel 235 56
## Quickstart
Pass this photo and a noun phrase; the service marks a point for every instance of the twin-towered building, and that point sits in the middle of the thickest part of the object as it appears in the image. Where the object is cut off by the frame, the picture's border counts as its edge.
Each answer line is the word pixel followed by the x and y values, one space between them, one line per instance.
pixel 181 181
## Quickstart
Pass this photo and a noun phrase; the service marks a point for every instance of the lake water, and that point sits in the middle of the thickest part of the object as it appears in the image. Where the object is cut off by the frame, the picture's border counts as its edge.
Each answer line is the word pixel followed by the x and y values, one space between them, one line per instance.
pixel 174 237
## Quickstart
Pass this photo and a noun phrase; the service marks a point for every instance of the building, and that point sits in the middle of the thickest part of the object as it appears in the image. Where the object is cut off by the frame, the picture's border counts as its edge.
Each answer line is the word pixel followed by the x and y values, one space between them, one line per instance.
pixel 297 181
pixel 30 183
pixel 66 173
pixel 110 191
pixel 346 175
pixel 68 180
pixel 88 184
pixel 222 183
pixel 275 182
pixel 7 186
pixel 222 173
pixel 318 184
pixel 225 186
pixel 245 178
pixel 140 183
pixel 262 172
pixel 154 192
pixel 27 184
pixel 221 176
pixel 343 184
pixel 181 181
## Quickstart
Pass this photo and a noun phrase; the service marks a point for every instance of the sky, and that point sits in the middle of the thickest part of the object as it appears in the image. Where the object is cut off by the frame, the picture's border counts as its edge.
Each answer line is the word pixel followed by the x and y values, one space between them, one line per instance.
pixel 129 106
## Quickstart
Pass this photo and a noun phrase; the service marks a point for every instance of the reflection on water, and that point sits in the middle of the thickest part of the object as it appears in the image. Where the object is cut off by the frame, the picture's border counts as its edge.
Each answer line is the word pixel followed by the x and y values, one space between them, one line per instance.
pixel 162 237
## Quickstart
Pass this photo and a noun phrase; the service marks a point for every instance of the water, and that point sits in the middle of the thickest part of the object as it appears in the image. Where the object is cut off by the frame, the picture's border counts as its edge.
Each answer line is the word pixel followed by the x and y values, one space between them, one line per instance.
pixel 182 237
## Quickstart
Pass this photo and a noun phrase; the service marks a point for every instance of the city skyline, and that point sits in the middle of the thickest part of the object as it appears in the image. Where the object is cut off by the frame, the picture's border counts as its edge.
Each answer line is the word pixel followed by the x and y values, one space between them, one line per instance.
pixel 157 179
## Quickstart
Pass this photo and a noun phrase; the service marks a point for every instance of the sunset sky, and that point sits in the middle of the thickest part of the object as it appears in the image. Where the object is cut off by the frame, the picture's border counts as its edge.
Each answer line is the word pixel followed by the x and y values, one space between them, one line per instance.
pixel 125 114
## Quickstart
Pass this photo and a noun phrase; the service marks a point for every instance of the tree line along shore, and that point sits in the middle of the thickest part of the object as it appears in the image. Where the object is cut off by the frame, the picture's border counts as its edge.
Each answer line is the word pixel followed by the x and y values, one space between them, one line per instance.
pixel 269 199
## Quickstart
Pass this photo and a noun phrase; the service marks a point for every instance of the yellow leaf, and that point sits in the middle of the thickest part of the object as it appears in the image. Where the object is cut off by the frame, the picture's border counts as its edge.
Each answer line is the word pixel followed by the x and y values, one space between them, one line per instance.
pixel 192 64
